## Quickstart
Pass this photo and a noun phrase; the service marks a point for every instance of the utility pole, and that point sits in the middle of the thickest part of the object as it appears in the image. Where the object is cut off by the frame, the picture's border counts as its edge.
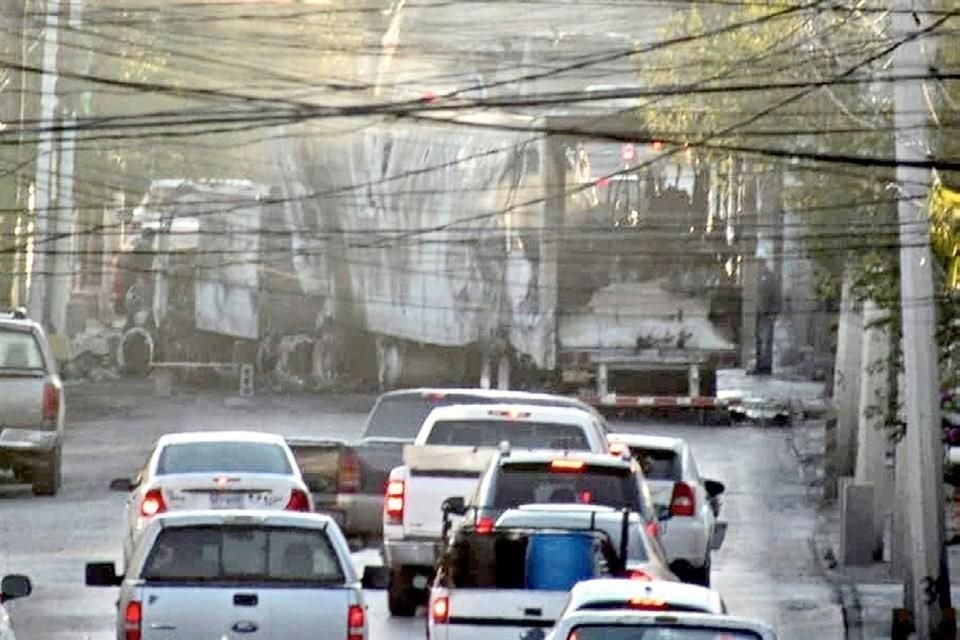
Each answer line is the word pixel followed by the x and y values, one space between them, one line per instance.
pixel 924 583
pixel 46 162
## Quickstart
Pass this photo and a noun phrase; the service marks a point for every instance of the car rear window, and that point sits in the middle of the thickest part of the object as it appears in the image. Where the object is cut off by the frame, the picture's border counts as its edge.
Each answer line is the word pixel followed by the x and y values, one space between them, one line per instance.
pixel 659 631
pixel 658 464
pixel 522 434
pixel 518 484
pixel 241 554
pixel 402 415
pixel 19 351
pixel 636 547
pixel 223 457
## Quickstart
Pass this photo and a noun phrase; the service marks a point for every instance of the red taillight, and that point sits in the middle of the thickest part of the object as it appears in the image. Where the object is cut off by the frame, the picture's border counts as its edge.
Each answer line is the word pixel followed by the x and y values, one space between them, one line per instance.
pixel 568 466
pixel 637 574
pixel 683 501
pixel 484 525
pixel 440 610
pixel 619 449
pixel 653 530
pixel 299 501
pixel 152 503
pixel 356 619
pixel 393 504
pixel 647 604
pixel 132 618
pixel 349 472
pixel 51 404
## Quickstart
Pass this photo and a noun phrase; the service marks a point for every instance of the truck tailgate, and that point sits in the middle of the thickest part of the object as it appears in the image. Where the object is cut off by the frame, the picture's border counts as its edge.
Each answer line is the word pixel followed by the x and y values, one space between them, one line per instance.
pixel 250 612
pixel 319 462
pixel 21 400
pixel 438 473
pixel 500 613
pixel 377 458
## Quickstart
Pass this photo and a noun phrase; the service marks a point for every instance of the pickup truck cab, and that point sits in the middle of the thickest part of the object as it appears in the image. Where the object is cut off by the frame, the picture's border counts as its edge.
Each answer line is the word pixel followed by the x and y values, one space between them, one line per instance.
pixel 31 404
pixel 347 478
pixel 262 575
pixel 452 449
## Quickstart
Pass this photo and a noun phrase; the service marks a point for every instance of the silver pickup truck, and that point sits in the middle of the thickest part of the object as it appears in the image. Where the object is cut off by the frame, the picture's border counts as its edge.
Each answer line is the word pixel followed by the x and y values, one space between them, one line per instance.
pixel 31 404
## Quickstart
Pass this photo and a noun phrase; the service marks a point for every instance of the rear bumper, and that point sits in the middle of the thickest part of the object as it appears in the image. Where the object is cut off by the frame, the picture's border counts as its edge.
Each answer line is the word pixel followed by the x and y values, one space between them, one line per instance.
pixel 411 553
pixel 490 630
pixel 28 447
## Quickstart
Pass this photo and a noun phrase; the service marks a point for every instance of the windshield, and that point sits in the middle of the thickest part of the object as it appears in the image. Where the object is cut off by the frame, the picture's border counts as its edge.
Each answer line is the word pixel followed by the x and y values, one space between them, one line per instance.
pixel 223 457
pixel 19 351
pixel 539 484
pixel 520 434
pixel 657 632
pixel 243 554
pixel 658 464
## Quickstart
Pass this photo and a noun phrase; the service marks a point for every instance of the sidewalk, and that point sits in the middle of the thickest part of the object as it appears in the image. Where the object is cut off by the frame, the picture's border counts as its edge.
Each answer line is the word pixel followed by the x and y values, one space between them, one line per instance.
pixel 868 594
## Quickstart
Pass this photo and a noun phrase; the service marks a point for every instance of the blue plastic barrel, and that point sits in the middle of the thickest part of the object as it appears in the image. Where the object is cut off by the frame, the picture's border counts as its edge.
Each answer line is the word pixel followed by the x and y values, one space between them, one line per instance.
pixel 556 562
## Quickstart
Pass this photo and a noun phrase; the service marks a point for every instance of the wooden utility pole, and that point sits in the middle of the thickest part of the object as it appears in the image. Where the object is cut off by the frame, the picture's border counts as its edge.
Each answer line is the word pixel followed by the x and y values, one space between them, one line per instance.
pixel 924 583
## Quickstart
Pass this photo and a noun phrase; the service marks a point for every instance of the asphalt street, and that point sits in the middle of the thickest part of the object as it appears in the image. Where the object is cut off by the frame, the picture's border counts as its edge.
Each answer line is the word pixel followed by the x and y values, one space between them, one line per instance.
pixel 765 569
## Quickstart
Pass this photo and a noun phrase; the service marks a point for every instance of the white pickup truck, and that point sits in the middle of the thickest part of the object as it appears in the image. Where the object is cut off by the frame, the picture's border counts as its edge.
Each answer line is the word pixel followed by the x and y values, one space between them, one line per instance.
pixel 454 446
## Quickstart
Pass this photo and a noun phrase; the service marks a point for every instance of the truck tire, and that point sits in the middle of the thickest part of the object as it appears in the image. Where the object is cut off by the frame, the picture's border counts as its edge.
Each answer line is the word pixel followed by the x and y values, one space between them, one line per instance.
pixel 401 596
pixel 45 481
pixel 701 575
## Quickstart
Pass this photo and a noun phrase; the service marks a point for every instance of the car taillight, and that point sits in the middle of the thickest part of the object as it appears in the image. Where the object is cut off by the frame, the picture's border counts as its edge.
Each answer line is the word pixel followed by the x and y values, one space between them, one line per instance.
pixel 484 525
pixel 683 501
pixel 349 481
pixel 440 610
pixel 653 530
pixel 619 449
pixel 393 505
pixel 356 620
pixel 51 404
pixel 152 503
pixel 299 501
pixel 132 618
pixel 637 574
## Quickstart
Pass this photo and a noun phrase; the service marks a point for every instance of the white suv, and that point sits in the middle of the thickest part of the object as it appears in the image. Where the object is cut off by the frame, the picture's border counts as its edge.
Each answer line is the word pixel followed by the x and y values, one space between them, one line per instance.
pixel 692 531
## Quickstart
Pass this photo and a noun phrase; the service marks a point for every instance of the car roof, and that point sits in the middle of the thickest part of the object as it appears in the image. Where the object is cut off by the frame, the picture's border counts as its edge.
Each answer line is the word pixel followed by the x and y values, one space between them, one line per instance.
pixel 675 593
pixel 648 442
pixel 8 320
pixel 188 518
pixel 187 437
pixel 545 457
pixel 627 618
pixel 486 411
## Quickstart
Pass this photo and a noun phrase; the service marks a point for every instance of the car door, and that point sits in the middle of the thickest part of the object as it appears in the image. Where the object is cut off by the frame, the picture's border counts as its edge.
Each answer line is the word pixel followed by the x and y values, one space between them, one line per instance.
pixel 704 512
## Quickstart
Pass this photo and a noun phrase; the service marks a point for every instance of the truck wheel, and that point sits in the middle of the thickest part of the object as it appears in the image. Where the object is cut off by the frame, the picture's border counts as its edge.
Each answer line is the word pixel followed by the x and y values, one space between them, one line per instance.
pixel 401 596
pixel 46 481
pixel 701 575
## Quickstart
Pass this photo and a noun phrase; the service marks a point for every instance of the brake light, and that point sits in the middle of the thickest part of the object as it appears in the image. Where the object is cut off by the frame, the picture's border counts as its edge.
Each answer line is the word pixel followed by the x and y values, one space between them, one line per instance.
pixel 484 525
pixel 586 497
pixel 349 472
pixel 683 500
pixel 510 414
pixel 132 619
pixel 647 604
pixel 653 530
pixel 299 501
pixel 440 610
pixel 435 396
pixel 152 503
pixel 567 465
pixel 637 574
pixel 51 404
pixel 619 449
pixel 393 506
pixel 356 620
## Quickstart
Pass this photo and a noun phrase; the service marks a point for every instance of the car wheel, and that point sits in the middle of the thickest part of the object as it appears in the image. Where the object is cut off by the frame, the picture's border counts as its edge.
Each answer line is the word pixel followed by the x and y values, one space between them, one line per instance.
pixel 401 596
pixel 46 481
pixel 701 575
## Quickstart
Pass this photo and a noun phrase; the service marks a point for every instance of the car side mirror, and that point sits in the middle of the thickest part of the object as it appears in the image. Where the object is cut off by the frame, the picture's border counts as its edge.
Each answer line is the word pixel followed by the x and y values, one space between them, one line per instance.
pixel 455 506
pixel 102 574
pixel 15 586
pixel 663 512
pixel 122 484
pixel 713 488
pixel 376 577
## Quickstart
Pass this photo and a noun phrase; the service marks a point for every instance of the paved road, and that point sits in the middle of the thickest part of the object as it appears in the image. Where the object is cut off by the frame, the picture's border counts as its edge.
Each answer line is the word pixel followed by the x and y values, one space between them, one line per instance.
pixel 764 570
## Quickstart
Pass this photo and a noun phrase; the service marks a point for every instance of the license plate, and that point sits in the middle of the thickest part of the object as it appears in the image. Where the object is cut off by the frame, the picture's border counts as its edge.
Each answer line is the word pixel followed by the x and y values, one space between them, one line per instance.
pixel 226 501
